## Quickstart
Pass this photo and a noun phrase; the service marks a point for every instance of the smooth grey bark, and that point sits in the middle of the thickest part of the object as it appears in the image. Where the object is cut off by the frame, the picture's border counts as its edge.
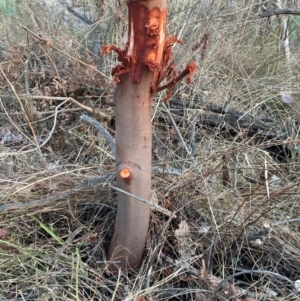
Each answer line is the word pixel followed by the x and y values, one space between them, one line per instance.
pixel 133 104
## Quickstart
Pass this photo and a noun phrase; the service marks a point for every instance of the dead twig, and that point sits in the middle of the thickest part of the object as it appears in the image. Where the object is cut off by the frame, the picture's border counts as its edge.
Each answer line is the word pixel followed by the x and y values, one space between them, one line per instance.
pixel 98 114
pixel 157 207
pixel 25 110
pixel 106 135
pixel 64 246
pixel 158 247
pixel 178 132
pixel 66 54
pixel 38 147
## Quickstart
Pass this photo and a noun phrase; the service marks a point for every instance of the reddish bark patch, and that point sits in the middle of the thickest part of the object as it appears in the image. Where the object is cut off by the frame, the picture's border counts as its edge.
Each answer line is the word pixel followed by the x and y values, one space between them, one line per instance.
pixel 189 71
pixel 137 36
pixel 204 41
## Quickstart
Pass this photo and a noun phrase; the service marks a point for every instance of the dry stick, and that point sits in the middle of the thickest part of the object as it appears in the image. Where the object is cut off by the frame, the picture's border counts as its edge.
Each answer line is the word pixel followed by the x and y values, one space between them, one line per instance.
pixel 81 16
pixel 285 39
pixel 192 134
pixel 44 143
pixel 272 196
pixel 181 266
pixel 167 170
pixel 242 272
pixel 64 53
pixel 26 77
pixel 178 132
pixel 77 103
pixel 49 177
pixel 291 220
pixel 63 195
pixel 23 109
pixel 152 205
pixel 241 206
pixel 161 239
pixel 47 112
pixel 97 113
pixel 280 11
pixel 64 246
pixel 106 135
pixel 264 194
pixel 117 286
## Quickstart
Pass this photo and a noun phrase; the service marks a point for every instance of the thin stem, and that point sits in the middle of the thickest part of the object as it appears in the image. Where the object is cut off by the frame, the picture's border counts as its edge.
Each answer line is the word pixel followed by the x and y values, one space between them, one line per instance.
pixel 106 135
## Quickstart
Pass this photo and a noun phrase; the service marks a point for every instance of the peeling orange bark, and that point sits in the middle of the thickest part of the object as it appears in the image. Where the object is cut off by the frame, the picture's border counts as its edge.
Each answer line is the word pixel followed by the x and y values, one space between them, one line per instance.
pixel 144 66
pixel 189 71
pixel 148 46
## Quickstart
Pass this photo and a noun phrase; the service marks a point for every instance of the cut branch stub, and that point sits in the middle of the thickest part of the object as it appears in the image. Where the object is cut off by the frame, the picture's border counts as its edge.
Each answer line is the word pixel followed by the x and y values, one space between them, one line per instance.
pixel 126 173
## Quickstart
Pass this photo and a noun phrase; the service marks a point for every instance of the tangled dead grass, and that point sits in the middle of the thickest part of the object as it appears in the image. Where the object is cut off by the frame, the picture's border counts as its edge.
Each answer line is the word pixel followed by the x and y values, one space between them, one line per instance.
pixel 236 234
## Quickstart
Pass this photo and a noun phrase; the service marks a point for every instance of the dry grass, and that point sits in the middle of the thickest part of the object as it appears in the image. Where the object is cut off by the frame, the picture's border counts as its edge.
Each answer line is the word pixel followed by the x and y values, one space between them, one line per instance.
pixel 56 220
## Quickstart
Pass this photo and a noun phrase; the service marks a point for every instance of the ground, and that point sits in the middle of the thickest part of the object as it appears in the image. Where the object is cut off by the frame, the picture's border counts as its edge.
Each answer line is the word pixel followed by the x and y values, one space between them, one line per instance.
pixel 236 231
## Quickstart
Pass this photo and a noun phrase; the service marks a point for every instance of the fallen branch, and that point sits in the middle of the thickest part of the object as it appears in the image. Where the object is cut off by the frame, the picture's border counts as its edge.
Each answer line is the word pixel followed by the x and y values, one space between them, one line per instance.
pixel 279 11
pixel 244 271
pixel 230 120
pixel 98 114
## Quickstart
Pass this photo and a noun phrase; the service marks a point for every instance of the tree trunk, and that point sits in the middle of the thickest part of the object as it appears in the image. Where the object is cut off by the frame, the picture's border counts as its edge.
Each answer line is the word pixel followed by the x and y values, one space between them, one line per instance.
pixel 133 104
pixel 137 75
